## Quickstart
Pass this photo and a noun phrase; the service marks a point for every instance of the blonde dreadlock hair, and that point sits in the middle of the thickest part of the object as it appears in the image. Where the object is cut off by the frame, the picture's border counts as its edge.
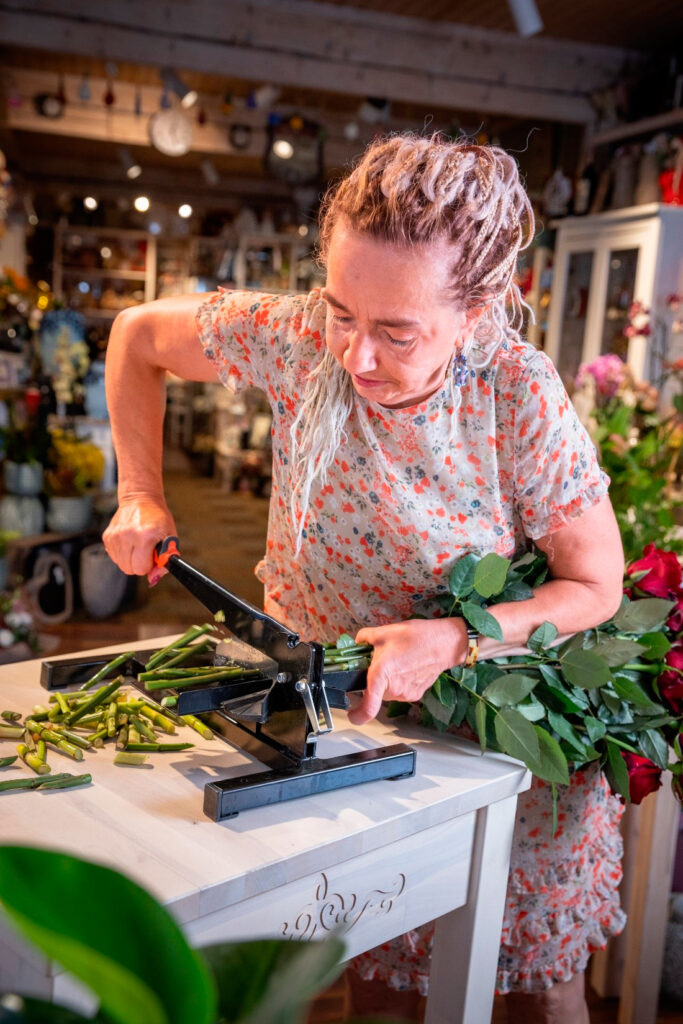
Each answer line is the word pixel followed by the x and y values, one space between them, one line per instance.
pixel 406 190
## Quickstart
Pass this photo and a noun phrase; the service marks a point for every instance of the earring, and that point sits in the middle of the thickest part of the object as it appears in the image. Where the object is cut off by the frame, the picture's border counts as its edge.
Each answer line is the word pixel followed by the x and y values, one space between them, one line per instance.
pixel 461 371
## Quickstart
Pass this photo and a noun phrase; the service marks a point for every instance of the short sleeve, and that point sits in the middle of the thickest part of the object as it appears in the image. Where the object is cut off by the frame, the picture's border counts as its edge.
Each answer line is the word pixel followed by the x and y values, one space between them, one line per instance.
pixel 557 474
pixel 253 338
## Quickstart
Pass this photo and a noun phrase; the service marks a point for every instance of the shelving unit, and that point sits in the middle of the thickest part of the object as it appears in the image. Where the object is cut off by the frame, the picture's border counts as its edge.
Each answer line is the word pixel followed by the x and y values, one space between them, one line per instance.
pixel 99 271
pixel 602 264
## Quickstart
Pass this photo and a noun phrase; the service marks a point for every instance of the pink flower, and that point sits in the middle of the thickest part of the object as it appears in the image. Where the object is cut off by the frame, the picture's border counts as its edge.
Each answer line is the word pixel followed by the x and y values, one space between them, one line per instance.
pixel 609 372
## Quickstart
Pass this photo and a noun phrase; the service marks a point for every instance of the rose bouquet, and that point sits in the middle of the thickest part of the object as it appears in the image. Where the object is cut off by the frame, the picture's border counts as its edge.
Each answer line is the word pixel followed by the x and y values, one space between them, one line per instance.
pixel 612 694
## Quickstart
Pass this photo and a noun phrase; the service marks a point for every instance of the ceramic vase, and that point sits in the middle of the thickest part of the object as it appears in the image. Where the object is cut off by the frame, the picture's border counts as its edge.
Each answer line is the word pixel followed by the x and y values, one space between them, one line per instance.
pixel 69 515
pixel 23 478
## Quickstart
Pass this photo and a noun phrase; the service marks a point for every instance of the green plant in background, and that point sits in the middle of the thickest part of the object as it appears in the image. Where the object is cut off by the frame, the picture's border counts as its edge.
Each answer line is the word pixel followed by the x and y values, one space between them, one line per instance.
pixel 75 465
pixel 115 938
pixel 25 437
pixel 639 448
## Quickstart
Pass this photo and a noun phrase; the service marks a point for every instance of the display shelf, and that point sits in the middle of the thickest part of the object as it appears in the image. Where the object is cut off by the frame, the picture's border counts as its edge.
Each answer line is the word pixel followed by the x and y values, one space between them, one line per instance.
pixel 646 126
pixel 602 264
pixel 99 271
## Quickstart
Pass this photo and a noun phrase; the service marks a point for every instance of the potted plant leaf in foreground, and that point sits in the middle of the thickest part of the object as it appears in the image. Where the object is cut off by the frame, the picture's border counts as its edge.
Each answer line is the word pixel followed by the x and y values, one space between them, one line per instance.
pixel 114 937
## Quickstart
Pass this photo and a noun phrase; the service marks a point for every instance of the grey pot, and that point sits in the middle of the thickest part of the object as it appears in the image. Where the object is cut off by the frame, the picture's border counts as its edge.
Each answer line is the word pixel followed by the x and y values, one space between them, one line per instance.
pixel 103 585
pixel 24 478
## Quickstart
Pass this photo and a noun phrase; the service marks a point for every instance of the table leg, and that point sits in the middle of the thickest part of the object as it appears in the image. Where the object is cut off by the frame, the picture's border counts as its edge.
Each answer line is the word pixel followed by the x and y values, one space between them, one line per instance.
pixel 466 941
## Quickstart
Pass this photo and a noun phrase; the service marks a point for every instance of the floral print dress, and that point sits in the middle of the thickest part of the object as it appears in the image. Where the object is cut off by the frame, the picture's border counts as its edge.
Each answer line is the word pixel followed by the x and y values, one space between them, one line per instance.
pixel 409 492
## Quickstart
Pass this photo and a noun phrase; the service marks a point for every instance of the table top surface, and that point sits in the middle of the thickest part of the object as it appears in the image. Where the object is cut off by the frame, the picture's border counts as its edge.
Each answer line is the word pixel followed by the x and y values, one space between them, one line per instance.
pixel 148 821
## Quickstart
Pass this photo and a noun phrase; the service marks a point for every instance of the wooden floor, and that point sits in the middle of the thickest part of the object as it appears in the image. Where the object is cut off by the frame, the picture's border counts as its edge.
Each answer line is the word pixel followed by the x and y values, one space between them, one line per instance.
pixel 224 534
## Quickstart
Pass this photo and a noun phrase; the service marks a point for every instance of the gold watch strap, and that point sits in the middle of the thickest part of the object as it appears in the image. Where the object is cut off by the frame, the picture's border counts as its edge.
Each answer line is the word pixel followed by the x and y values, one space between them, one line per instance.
pixel 472 646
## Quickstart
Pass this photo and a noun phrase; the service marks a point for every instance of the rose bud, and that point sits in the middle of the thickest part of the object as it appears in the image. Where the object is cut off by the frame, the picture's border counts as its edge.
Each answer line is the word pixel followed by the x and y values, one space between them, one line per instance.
pixel 643 776
pixel 675 620
pixel 663 577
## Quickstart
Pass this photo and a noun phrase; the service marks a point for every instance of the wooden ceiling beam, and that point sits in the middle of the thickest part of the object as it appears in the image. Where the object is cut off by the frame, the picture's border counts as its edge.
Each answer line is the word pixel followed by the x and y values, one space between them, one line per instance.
pixel 337 49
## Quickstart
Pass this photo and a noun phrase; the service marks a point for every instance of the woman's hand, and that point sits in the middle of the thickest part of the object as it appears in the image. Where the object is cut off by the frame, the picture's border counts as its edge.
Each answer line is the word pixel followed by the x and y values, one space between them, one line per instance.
pixel 130 538
pixel 407 658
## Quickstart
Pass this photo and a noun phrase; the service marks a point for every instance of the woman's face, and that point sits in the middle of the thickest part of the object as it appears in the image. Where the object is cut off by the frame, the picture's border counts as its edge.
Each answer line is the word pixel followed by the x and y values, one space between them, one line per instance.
pixel 389 321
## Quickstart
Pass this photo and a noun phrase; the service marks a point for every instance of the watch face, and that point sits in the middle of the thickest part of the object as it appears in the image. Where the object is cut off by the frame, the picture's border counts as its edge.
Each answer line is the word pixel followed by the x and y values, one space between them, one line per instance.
pixel 170 131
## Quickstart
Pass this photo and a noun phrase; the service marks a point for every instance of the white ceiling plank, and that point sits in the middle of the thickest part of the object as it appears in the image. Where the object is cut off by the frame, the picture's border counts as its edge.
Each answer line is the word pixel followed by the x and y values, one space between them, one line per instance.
pixel 435 64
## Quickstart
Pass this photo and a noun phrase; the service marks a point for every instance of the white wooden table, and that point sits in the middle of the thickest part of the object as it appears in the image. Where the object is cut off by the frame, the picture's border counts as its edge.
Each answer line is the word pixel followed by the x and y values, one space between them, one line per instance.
pixel 379 858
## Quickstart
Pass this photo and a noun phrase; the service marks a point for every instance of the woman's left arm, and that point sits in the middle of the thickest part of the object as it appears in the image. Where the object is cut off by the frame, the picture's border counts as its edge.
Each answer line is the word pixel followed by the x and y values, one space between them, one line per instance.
pixel 586 564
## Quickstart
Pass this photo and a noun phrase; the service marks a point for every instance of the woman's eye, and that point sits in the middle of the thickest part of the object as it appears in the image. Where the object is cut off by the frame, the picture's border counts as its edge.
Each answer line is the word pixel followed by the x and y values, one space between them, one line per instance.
pixel 341 319
pixel 399 342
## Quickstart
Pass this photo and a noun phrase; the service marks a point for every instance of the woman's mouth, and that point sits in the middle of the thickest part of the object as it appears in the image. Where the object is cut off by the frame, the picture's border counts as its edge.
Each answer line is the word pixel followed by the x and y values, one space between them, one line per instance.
pixel 365 382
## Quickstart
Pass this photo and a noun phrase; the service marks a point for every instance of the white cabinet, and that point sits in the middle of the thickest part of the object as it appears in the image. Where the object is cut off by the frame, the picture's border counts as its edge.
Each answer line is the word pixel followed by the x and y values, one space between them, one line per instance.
pixel 602 264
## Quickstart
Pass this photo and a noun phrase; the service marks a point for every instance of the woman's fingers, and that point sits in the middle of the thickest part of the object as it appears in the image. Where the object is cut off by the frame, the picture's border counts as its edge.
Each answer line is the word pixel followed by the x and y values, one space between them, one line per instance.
pixel 132 535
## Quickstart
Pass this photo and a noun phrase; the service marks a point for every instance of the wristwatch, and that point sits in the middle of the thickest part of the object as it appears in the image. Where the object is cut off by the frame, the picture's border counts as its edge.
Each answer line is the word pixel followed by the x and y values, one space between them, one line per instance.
pixel 472 646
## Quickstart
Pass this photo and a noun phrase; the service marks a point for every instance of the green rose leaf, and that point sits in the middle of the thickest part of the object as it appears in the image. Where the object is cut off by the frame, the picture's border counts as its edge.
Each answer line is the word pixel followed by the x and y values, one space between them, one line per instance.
pixel 532 710
pixel 567 732
pixel 656 645
pixel 585 669
pixel 436 708
pixel 552 764
pixel 629 690
pixel 444 689
pixel 595 729
pixel 480 720
pixel 654 746
pixel 641 616
pixel 611 702
pixel 461 578
pixel 573 643
pixel 490 574
pixel 542 637
pixel 616 771
pixel 462 702
pixel 617 650
pixel 482 620
pixel 516 736
pixel 345 641
pixel 509 688
pixel 516 590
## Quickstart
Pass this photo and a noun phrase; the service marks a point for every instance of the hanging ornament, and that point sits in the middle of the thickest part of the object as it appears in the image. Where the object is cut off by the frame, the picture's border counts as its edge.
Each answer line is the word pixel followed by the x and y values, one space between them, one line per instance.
pixel 296 123
pixel 165 101
pixel 227 104
pixel 84 93
pixel 201 116
pixel 138 102
pixel 61 94
pixel 252 102
pixel 274 120
pixel 109 97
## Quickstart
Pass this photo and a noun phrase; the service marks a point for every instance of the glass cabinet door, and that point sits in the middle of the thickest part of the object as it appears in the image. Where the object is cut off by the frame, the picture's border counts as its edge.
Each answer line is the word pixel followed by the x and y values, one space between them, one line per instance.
pixel 579 269
pixel 621 279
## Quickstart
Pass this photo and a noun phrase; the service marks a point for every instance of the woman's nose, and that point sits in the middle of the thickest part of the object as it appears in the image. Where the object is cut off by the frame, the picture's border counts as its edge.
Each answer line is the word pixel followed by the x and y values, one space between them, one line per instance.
pixel 359 355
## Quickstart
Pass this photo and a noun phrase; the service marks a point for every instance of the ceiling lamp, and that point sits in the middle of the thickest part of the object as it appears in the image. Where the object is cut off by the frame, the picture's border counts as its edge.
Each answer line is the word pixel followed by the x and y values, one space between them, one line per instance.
pixel 131 167
pixel 188 97
pixel 90 203
pixel 527 18
pixel 141 204
pixel 185 210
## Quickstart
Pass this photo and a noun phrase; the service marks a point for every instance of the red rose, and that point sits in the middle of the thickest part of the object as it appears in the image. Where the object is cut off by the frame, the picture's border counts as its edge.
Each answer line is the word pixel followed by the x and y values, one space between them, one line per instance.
pixel 671 689
pixel 675 620
pixel 663 577
pixel 674 657
pixel 643 776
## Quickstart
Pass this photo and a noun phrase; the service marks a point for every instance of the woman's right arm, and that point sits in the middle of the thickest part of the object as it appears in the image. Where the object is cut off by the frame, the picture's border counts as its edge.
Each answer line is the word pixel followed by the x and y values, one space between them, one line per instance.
pixel 144 343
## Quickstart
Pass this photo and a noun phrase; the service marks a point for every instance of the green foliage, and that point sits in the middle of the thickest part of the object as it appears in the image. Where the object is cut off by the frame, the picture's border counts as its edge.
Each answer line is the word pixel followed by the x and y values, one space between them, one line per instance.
pixel 641 453
pixel 132 955
pixel 560 707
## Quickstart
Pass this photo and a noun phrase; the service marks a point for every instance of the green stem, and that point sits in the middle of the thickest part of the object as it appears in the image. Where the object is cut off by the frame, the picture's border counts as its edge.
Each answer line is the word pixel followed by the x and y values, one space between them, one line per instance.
pixel 192 633
pixel 220 674
pixel 620 743
pixel 111 666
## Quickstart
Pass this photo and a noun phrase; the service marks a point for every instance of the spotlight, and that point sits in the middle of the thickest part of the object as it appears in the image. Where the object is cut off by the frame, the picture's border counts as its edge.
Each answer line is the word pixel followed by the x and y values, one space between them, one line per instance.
pixel 154 227
pixel 90 203
pixel 141 204
pixel 185 211
pixel 526 16
pixel 131 167
pixel 283 149
pixel 188 97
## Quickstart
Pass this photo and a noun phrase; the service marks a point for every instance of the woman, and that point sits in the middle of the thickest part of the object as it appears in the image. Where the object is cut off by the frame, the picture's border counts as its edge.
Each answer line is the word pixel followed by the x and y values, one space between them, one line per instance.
pixel 411 425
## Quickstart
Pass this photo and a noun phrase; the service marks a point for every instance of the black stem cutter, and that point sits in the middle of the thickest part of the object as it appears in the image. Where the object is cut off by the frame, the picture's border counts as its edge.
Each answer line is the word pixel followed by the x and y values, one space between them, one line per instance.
pixel 276 715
